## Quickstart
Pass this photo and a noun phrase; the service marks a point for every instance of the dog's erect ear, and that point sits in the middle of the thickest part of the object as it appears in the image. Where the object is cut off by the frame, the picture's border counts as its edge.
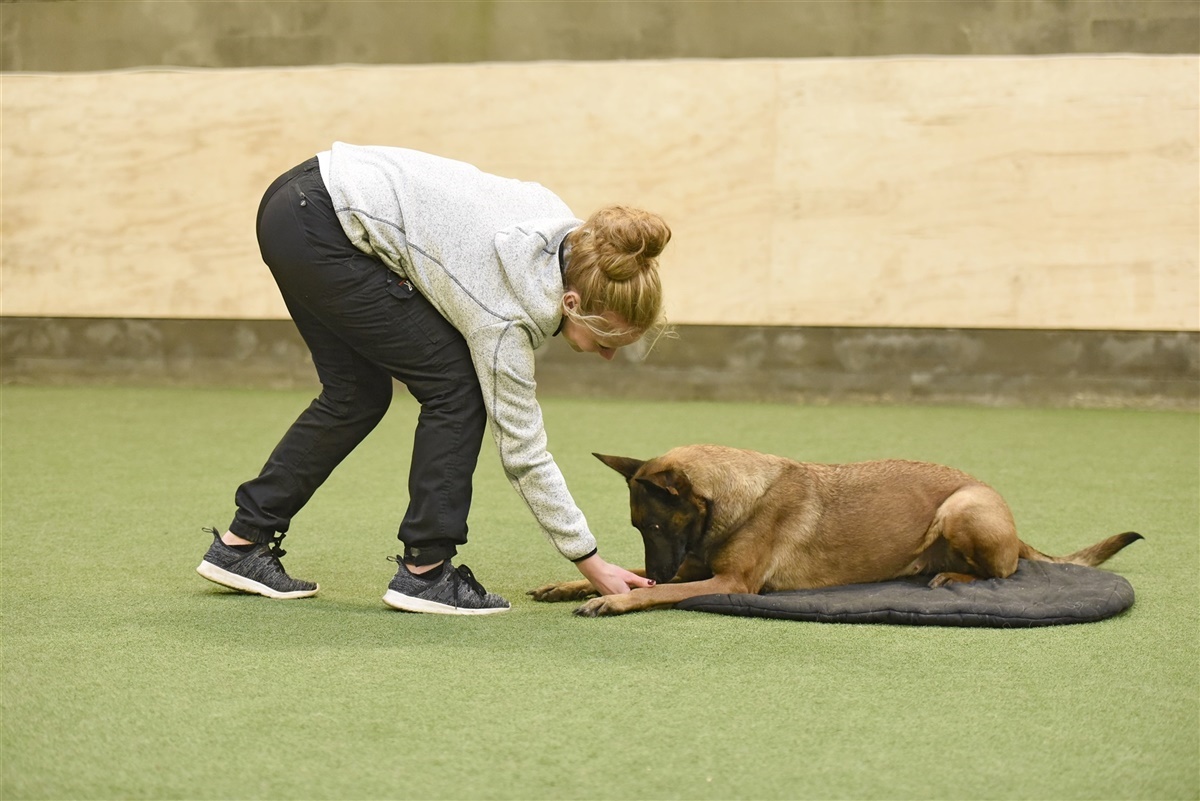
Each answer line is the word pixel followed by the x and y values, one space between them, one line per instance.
pixel 674 482
pixel 622 464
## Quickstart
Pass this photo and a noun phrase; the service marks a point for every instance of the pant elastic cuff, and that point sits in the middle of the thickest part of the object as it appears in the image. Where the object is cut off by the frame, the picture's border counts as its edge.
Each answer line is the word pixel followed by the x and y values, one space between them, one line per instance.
pixel 428 553
pixel 260 535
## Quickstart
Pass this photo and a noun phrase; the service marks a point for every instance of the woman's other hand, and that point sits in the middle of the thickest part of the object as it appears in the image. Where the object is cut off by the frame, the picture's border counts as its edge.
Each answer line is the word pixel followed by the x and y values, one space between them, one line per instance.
pixel 609 579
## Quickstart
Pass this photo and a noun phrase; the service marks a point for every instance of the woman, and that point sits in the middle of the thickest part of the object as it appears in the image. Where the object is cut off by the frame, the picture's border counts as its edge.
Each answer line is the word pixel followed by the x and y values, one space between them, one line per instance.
pixel 399 264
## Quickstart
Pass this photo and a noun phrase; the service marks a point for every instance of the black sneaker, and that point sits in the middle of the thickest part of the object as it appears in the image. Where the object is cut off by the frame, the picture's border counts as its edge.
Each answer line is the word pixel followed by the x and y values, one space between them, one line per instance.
pixel 445 590
pixel 255 570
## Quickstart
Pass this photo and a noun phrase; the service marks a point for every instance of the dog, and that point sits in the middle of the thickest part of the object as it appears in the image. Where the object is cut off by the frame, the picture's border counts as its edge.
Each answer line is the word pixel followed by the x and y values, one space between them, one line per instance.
pixel 715 519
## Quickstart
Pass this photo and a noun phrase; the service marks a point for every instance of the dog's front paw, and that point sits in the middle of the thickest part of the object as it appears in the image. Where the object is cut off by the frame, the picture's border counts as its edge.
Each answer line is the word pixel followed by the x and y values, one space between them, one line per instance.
pixel 946 579
pixel 602 606
pixel 563 591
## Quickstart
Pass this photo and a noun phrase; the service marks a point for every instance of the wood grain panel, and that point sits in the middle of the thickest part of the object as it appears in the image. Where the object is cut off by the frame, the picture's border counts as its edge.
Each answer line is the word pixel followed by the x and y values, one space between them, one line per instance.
pixel 1009 193
pixel 1028 193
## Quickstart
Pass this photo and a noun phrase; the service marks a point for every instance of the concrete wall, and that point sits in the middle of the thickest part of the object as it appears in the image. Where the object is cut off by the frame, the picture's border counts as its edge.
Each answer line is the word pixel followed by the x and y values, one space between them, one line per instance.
pixel 98 34
pixel 780 364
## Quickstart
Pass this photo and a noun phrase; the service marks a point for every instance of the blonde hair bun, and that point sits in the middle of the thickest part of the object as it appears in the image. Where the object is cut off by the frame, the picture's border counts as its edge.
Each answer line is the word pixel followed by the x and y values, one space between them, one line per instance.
pixel 613 264
pixel 625 240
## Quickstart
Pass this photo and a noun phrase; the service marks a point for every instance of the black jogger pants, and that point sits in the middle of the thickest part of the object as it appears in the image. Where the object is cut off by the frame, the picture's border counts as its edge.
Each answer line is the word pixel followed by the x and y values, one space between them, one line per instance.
pixel 365 326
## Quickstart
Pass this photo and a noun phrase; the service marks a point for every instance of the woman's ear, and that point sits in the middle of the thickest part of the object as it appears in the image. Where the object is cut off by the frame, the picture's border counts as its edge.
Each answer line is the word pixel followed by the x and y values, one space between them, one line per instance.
pixel 571 299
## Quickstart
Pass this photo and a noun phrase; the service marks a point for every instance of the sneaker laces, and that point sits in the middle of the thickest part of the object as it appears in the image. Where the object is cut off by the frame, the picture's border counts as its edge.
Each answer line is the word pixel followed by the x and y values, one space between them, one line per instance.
pixel 275 548
pixel 467 576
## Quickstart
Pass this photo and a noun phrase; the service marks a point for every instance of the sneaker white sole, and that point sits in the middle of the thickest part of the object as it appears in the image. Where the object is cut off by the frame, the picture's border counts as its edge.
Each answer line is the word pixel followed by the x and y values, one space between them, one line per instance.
pixel 407 603
pixel 219 575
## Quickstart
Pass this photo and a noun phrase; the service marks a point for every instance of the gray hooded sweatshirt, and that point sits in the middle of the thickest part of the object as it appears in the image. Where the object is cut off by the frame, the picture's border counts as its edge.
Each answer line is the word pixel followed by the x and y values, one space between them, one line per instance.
pixel 484 251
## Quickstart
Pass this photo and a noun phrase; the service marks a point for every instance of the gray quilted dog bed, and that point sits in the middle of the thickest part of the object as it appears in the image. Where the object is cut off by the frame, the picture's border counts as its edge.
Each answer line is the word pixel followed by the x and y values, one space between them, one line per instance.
pixel 1038 594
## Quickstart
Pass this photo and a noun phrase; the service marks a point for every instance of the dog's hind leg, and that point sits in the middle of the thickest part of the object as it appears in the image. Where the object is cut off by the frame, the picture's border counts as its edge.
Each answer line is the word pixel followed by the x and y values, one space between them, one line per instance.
pixel 978 527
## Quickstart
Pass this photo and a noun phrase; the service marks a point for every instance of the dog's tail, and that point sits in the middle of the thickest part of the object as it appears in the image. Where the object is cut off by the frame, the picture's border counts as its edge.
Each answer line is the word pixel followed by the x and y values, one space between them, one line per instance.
pixel 1091 556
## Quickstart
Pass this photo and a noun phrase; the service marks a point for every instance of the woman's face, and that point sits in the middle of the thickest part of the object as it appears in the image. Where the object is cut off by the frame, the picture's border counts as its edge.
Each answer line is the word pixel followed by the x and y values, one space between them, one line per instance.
pixel 583 340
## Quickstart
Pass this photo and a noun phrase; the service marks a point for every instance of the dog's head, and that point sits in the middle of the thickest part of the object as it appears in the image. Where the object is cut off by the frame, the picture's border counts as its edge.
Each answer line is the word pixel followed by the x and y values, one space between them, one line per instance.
pixel 665 509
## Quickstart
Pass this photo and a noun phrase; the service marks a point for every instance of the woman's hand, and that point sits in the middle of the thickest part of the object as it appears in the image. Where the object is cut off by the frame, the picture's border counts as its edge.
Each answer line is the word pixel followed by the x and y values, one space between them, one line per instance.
pixel 610 579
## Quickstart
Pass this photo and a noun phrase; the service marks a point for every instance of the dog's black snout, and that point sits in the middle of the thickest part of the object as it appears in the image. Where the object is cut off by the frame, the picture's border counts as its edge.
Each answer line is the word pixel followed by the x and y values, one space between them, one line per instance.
pixel 662 570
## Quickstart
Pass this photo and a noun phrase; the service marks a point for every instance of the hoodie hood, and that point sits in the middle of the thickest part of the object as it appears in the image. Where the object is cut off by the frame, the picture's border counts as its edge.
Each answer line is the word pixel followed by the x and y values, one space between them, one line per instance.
pixel 528 256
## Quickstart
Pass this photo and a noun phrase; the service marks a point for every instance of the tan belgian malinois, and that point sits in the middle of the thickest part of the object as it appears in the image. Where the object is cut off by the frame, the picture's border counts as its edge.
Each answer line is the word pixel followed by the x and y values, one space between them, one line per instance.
pixel 724 520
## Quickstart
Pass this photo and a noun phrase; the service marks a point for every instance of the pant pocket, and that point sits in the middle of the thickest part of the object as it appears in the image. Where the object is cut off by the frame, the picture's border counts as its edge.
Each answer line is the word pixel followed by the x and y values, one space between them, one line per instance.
pixel 417 313
pixel 320 226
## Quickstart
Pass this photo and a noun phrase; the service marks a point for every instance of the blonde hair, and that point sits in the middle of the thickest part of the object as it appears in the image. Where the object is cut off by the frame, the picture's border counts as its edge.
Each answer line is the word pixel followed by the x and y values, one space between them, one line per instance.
pixel 612 262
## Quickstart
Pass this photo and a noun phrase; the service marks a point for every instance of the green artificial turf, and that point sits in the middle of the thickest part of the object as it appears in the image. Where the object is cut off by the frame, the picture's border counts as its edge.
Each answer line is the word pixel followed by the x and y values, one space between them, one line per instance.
pixel 126 675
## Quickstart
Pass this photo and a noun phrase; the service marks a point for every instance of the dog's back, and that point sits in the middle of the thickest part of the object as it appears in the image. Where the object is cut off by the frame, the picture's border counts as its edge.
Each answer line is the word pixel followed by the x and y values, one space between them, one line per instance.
pixel 876 520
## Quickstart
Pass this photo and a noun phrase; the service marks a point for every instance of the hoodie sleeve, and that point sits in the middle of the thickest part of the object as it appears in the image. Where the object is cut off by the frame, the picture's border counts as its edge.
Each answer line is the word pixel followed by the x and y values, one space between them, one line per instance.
pixel 505 365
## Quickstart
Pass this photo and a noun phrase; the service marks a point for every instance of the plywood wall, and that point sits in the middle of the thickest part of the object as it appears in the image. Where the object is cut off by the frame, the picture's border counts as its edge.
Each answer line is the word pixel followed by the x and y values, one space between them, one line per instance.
pixel 1057 192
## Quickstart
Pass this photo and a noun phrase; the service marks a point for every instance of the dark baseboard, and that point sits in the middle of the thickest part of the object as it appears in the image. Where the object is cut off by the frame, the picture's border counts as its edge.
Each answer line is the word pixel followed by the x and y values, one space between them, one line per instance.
pixel 1087 369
